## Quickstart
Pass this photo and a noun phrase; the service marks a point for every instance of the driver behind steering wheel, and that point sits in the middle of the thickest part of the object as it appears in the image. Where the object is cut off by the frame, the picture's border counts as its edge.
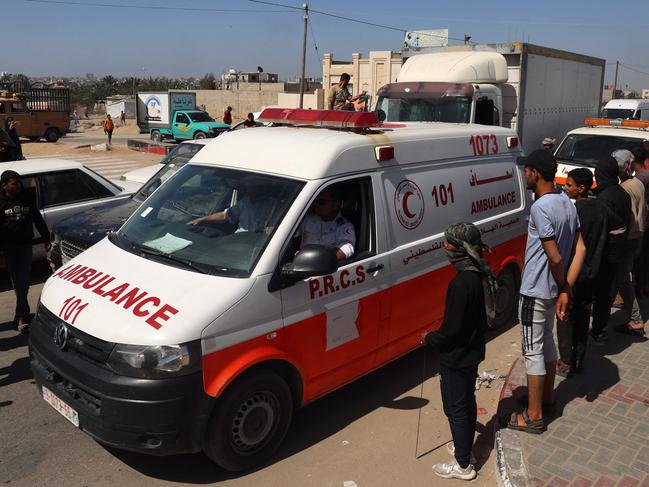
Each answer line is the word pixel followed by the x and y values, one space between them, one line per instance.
pixel 249 215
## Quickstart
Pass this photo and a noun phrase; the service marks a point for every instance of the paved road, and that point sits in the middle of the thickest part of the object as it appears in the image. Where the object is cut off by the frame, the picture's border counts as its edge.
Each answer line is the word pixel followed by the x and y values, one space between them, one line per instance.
pixel 363 433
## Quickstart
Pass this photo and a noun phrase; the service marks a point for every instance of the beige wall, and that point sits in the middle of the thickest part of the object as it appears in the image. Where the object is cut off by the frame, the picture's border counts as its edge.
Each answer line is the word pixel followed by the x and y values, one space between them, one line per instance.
pixel 292 100
pixel 367 74
pixel 242 102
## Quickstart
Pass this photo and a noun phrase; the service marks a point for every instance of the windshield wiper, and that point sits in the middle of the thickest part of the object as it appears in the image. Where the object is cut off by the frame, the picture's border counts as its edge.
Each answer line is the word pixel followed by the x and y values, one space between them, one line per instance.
pixel 186 263
pixel 121 240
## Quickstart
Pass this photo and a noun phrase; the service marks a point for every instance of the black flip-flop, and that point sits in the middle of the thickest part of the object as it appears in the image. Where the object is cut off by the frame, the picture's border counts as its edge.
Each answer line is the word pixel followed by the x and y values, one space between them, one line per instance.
pixel 534 426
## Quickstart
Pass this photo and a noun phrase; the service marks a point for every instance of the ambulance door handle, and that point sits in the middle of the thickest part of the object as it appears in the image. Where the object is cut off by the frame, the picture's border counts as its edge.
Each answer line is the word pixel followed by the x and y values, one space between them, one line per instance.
pixel 376 268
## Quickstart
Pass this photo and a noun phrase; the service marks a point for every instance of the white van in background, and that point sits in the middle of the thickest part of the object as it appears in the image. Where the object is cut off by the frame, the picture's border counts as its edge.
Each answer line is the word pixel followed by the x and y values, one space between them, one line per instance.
pixel 626 109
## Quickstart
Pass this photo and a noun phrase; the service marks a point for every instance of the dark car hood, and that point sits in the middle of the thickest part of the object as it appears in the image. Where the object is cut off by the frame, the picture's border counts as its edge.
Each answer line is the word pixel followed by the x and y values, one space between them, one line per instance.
pixel 93 225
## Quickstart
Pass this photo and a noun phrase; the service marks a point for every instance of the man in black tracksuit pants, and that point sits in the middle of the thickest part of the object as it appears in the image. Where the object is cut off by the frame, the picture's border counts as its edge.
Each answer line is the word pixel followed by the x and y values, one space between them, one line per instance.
pixel 610 192
pixel 18 215
pixel 461 343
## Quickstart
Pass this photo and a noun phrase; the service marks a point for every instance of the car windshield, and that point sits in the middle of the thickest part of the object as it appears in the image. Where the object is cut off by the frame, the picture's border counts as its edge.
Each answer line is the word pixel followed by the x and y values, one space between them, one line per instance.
pixel 156 181
pixel 200 117
pixel 613 113
pixel 411 109
pixel 587 149
pixel 182 153
pixel 245 209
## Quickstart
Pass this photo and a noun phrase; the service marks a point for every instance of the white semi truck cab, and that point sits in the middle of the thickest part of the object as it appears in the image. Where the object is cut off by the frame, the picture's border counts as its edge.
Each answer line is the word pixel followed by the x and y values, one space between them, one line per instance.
pixel 459 87
pixel 537 91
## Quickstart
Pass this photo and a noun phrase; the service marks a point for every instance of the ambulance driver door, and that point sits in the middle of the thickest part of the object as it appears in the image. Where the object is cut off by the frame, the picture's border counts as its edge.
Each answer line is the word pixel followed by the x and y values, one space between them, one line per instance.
pixel 331 322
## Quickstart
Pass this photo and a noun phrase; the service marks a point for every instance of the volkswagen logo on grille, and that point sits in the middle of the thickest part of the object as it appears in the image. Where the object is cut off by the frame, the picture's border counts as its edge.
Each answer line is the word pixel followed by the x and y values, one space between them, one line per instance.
pixel 61 336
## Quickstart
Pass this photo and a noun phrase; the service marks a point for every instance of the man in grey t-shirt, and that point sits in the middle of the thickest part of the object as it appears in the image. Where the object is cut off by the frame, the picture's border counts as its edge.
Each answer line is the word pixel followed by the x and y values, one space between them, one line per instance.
pixel 553 257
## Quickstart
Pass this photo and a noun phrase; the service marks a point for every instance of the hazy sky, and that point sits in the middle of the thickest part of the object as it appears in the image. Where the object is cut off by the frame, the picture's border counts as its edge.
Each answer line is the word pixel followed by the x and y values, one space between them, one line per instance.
pixel 64 39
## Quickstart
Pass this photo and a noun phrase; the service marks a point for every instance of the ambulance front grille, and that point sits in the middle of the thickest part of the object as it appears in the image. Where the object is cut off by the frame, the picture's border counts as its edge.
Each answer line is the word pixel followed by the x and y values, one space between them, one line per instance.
pixel 87 346
pixel 71 248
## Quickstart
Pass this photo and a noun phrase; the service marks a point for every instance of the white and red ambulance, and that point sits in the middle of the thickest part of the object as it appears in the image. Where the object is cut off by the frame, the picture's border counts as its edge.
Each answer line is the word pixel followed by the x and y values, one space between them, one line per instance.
pixel 167 337
pixel 585 146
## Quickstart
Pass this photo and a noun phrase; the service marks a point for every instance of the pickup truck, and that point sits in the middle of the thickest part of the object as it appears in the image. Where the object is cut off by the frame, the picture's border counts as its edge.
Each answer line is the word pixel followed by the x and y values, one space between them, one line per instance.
pixel 173 115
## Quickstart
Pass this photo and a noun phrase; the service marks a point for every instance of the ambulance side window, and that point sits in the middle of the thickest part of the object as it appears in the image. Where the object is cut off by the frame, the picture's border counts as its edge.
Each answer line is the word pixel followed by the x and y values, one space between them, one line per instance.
pixel 352 224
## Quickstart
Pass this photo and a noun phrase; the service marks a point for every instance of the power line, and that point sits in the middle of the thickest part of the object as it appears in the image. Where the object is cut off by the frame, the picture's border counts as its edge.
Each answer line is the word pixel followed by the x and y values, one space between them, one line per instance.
pixel 349 19
pixel 634 70
pixel 315 44
pixel 152 7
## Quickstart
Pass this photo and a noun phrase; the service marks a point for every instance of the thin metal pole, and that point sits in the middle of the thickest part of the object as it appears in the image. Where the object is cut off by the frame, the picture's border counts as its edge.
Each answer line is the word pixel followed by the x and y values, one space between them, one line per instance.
pixel 421 396
pixel 617 65
pixel 306 21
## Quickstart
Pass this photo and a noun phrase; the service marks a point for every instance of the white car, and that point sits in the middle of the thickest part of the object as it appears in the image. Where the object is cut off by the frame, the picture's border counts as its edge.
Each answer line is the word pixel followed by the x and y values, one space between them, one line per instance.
pixel 62 188
pixel 180 154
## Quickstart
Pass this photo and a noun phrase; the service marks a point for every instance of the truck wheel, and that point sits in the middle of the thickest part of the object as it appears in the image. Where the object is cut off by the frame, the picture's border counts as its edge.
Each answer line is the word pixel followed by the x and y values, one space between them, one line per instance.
pixel 506 297
pixel 199 135
pixel 34 138
pixel 156 136
pixel 52 135
pixel 250 421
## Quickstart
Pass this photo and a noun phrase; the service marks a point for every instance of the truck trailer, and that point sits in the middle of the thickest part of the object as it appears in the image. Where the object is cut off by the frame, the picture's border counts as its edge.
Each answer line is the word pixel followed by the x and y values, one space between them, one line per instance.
pixel 538 91
pixel 174 115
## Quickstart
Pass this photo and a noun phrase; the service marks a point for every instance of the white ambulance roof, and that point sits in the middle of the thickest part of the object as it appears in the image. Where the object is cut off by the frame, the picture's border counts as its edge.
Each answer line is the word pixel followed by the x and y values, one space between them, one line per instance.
pixel 315 153
pixel 613 132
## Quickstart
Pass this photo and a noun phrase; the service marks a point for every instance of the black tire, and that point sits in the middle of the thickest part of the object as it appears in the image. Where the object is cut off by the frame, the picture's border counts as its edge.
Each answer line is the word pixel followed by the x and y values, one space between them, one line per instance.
pixel 249 422
pixel 156 136
pixel 52 134
pixel 200 135
pixel 506 298
pixel 34 138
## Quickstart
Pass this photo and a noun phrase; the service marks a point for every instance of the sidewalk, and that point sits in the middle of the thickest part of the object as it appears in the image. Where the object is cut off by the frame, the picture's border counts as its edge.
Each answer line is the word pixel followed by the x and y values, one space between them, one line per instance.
pixel 600 436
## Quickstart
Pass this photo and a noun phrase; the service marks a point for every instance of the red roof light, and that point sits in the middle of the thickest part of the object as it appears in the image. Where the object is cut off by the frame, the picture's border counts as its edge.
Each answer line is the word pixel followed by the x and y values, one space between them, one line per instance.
pixel 320 118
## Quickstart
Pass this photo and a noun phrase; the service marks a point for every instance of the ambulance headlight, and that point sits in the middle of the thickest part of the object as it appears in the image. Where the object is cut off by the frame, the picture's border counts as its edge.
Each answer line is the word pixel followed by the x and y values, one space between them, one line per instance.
pixel 156 361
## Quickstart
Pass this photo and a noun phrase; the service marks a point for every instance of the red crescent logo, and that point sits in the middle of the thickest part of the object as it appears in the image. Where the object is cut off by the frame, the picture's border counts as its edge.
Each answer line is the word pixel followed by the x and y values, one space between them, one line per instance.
pixel 406 210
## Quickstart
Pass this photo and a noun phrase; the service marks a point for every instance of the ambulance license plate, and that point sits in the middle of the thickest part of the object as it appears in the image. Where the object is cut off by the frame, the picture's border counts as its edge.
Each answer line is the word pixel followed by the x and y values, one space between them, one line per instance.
pixel 63 408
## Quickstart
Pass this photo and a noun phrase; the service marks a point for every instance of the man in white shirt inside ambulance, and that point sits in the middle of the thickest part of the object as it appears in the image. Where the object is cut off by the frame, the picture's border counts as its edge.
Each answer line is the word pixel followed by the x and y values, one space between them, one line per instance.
pixel 249 214
pixel 326 226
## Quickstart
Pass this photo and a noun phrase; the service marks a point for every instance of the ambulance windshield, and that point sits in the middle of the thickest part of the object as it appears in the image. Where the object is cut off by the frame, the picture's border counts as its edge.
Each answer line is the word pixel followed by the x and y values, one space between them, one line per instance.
pixel 209 220
pixel 587 149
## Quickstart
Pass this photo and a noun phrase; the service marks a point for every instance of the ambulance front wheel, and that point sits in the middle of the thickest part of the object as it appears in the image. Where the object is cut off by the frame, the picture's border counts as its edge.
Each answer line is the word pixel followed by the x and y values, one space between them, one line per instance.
pixel 508 284
pixel 249 422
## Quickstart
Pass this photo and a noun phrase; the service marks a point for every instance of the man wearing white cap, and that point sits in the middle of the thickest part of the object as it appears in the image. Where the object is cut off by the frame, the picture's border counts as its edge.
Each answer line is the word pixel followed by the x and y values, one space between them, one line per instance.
pixel 624 279
pixel 548 144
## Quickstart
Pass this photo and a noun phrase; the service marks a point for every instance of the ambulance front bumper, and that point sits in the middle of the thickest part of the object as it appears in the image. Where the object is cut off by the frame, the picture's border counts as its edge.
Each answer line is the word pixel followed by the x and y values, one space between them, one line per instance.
pixel 155 416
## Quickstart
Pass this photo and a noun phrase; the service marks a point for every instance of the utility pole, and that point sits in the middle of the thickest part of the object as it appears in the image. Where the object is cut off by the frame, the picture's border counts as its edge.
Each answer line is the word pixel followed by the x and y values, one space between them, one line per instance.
pixel 467 38
pixel 617 65
pixel 306 21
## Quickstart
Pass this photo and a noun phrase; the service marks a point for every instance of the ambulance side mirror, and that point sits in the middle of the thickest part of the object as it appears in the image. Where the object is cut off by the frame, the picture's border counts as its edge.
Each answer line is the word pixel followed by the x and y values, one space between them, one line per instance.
pixel 312 260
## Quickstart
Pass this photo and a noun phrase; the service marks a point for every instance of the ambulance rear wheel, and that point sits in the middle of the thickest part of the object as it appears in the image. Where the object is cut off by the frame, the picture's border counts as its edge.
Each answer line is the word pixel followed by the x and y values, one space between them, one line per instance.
pixel 506 297
pixel 250 422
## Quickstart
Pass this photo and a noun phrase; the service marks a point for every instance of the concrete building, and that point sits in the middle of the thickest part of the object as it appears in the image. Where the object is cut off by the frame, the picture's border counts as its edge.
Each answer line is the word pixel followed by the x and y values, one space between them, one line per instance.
pixel 367 74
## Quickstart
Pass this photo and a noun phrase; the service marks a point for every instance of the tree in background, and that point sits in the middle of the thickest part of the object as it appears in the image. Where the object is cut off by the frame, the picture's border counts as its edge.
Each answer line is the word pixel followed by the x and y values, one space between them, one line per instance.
pixel 207 82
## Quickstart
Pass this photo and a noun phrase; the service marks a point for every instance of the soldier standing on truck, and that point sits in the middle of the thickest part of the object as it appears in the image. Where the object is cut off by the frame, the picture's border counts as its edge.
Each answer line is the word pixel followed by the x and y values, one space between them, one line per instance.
pixel 109 126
